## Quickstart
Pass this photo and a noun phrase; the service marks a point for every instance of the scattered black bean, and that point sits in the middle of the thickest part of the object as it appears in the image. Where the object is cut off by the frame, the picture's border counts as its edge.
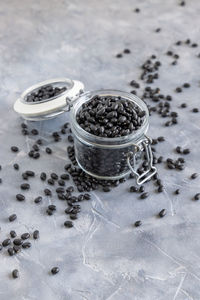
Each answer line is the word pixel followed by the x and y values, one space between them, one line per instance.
pixel 162 213
pixel 55 270
pixel 12 217
pixel 38 199
pixel 26 245
pixel 15 274
pixel 138 223
pixel 48 150
pixel 25 186
pixel 6 242
pixel 20 197
pixel 36 234
pixel 16 166
pixel 11 251
pixel 34 132
pixel 144 195
pixel 194 175
pixel 177 192
pixel 25 236
pixel 17 242
pixel 30 173
pixel 13 234
pixel 133 189
pixel 68 224
pixel 197 196
pixel 14 149
pixel 43 176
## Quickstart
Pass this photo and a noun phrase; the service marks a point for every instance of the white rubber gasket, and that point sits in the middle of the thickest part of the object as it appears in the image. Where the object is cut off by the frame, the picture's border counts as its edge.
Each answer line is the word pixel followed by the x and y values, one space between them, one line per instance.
pixel 51 106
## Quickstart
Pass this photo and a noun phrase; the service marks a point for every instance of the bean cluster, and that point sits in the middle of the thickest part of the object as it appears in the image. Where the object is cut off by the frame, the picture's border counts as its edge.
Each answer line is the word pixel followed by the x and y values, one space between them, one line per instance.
pixel 44 93
pixel 110 116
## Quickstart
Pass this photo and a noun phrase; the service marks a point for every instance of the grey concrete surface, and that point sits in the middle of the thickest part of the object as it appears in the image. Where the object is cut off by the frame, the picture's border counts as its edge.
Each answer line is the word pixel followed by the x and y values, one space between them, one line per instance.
pixel 103 257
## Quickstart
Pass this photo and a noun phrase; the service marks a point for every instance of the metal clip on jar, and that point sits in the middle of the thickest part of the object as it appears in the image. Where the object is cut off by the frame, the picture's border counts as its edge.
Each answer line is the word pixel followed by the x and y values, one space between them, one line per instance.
pixel 101 157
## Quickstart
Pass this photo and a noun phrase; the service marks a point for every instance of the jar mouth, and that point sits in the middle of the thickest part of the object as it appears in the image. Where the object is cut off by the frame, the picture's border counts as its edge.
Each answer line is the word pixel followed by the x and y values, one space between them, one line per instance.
pixel 55 83
pixel 87 96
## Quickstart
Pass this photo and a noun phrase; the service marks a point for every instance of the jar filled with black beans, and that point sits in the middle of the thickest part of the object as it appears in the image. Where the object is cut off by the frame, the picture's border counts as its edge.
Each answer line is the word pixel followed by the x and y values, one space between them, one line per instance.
pixel 110 129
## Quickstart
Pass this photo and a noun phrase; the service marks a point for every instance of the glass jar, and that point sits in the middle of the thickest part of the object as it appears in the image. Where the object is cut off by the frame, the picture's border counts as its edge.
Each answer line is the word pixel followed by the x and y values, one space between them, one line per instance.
pixel 101 157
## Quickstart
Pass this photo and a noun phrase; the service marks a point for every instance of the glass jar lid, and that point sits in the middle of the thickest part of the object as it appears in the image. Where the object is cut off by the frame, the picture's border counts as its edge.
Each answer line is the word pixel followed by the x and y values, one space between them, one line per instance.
pixel 48 99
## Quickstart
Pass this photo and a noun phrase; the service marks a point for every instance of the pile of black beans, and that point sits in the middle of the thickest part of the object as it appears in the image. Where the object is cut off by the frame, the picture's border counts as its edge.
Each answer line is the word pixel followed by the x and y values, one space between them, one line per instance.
pixel 15 244
pixel 44 93
pixel 110 116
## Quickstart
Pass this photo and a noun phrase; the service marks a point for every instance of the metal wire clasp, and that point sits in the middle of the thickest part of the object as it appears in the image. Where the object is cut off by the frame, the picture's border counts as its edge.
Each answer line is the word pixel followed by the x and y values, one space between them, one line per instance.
pixel 141 178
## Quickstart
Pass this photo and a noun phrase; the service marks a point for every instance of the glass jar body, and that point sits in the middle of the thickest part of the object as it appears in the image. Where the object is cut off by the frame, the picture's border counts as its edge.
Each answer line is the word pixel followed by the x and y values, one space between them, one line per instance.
pixel 106 158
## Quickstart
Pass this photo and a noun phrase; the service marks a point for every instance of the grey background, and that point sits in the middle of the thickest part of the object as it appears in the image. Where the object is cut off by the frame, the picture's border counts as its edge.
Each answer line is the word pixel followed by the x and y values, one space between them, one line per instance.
pixel 103 256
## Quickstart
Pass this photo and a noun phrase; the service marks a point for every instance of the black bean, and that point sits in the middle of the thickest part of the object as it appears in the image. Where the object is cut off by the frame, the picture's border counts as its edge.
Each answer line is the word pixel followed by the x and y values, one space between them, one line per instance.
pixel 61 182
pixel 133 189
pixel 11 251
pixel 16 166
pixel 69 210
pixel 50 181
pixel 38 199
pixel 195 110
pixel 17 242
pixel 24 176
pixel 23 125
pixel 177 192
pixel 70 139
pixel 6 242
pixel 47 192
pixel 64 176
pixel 161 139
pixel 17 249
pixel 186 151
pixel 138 223
pixel 36 155
pixel 141 189
pixel 162 213
pixel 119 55
pixel 1 247
pixel 137 10
pixel 186 85
pixel 183 105
pixel 20 197
pixel 34 132
pixel 13 234
pixel 197 196
pixel 25 236
pixel 35 147
pixel 49 212
pixel 12 217
pixel 178 149
pixel 30 173
pixel 54 176
pixel 194 175
pixel 87 196
pixel 15 274
pixel 36 234
pixel 68 224
pixel 14 149
pixel 48 150
pixel 55 270
pixel 25 186
pixel 26 245
pixel 73 216
pixel 144 195
pixel 160 189
pixel 70 189
pixel 39 142
pixel 127 51
pixel 52 207
pixel 43 176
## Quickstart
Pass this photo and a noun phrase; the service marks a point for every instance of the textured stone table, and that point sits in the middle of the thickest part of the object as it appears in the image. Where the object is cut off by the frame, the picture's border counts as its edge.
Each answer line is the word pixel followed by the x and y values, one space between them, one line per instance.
pixel 103 256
